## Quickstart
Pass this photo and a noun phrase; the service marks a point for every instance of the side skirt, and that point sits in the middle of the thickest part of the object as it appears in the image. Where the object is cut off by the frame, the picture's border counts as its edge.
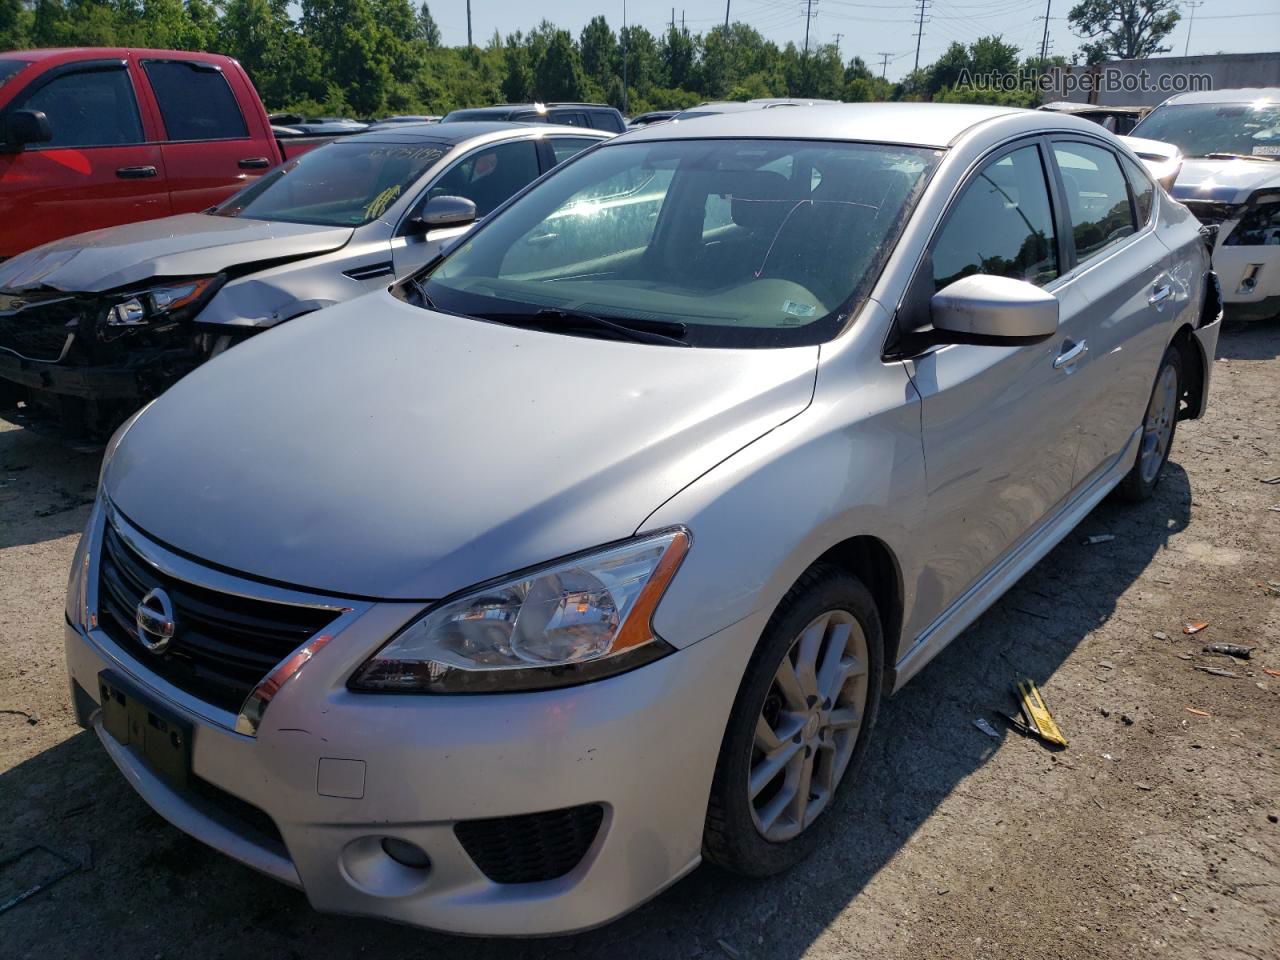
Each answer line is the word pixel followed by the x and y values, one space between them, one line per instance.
pixel 1008 571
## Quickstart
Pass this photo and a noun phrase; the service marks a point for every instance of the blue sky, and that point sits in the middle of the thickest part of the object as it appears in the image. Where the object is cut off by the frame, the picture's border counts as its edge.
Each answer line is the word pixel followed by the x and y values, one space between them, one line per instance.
pixel 869 28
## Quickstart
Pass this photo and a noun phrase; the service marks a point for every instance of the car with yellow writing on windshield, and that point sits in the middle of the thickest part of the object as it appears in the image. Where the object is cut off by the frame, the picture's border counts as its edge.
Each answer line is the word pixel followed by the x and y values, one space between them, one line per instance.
pixel 94 325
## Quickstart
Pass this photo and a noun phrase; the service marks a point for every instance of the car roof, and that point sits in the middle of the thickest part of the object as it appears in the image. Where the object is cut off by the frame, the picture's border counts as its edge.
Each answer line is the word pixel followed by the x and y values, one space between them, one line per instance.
pixel 461 131
pixel 916 124
pixel 1064 106
pixel 106 53
pixel 505 108
pixel 1233 95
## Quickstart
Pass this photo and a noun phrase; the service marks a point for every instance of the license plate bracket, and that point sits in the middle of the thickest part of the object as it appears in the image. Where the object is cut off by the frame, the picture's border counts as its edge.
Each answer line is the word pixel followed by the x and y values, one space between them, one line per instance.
pixel 134 720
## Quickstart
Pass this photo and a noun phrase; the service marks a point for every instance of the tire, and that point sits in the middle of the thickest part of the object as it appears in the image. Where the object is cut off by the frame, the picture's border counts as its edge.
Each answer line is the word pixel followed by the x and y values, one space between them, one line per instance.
pixel 1159 424
pixel 740 835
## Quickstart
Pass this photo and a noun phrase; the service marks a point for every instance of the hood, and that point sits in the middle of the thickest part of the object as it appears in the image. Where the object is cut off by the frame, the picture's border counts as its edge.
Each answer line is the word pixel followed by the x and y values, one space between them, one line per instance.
pixel 189 245
pixel 381 450
pixel 1225 181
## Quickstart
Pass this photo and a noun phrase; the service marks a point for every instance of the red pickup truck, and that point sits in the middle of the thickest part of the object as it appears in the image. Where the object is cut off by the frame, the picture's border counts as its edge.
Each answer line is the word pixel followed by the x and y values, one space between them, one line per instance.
pixel 95 137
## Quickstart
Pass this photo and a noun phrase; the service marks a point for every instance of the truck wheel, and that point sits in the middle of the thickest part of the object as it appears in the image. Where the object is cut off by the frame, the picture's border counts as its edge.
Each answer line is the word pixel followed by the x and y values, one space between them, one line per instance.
pixel 799 727
pixel 1159 424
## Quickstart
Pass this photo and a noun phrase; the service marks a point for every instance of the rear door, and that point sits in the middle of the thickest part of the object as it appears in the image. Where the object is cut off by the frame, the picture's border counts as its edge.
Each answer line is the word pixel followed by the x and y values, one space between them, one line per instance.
pixel 211 149
pixel 487 176
pixel 1119 277
pixel 97 171
pixel 998 422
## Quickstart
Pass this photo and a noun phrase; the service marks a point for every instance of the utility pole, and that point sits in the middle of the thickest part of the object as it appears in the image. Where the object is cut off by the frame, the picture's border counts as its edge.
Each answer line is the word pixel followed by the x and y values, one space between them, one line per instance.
pixel 468 23
pixel 673 18
pixel 726 15
pixel 884 63
pixel 624 55
pixel 924 5
pixel 1191 23
pixel 838 36
pixel 1044 41
pixel 808 15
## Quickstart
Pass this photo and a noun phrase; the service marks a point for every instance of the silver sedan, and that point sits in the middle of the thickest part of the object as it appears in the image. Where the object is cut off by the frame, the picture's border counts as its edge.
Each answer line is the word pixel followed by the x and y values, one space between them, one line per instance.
pixel 497 602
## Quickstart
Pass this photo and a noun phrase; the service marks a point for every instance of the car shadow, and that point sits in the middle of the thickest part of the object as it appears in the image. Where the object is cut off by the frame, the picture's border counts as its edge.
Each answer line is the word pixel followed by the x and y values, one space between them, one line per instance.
pixel 151 890
pixel 1255 340
pixel 46 488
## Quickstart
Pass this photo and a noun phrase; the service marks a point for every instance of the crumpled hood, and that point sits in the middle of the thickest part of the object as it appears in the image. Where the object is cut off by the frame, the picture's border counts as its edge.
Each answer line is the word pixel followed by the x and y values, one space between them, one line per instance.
pixel 382 450
pixel 1225 181
pixel 189 245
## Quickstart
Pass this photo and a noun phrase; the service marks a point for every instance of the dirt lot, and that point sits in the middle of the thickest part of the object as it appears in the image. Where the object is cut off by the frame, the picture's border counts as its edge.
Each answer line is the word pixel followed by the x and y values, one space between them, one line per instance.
pixel 1154 834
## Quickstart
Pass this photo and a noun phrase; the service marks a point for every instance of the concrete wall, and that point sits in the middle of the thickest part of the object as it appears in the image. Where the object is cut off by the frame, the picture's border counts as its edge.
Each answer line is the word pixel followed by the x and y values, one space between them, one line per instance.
pixel 1225 71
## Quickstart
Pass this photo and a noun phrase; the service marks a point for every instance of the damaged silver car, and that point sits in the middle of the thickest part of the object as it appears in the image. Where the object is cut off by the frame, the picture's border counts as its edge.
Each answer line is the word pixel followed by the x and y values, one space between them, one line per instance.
pixel 94 325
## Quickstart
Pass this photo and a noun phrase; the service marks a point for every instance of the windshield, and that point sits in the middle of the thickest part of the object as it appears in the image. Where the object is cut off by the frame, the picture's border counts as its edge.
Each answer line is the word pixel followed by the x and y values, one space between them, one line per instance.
pixel 754 243
pixel 9 67
pixel 1199 129
pixel 336 185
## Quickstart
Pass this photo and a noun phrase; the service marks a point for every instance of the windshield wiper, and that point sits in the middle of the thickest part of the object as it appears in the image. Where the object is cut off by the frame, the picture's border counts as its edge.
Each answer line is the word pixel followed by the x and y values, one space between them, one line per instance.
pixel 1237 156
pixel 420 291
pixel 668 333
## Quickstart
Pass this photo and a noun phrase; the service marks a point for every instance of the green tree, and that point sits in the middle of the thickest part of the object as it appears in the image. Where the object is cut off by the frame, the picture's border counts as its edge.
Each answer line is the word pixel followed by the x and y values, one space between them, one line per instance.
pixel 15 25
pixel 679 55
pixel 599 49
pixel 558 75
pixel 1123 29
pixel 426 28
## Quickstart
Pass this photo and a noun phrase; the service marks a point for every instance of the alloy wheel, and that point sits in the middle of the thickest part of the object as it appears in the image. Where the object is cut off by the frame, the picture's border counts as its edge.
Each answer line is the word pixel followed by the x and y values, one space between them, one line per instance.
pixel 808 726
pixel 1157 428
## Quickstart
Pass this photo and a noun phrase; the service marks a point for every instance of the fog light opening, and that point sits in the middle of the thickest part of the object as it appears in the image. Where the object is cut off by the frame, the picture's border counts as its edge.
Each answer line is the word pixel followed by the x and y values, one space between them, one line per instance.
pixel 406 854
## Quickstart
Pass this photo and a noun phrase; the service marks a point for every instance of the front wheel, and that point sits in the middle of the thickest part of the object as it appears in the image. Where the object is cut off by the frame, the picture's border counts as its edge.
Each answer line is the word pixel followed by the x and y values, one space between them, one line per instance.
pixel 1158 427
pixel 800 725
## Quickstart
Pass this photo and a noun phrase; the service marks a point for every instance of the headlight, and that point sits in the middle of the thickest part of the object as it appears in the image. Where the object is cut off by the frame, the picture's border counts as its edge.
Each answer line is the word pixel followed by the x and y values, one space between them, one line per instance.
pixel 1259 227
pixel 580 619
pixel 139 309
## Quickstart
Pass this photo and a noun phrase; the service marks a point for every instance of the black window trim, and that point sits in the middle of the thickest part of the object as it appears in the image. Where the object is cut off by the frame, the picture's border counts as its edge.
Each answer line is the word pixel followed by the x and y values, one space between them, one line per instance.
pixel 42 80
pixel 923 270
pixel 203 66
pixel 1140 171
pixel 1111 248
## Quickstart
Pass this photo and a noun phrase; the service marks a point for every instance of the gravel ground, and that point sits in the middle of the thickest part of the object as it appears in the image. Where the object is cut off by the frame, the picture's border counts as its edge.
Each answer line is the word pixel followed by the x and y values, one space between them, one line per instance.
pixel 1154 834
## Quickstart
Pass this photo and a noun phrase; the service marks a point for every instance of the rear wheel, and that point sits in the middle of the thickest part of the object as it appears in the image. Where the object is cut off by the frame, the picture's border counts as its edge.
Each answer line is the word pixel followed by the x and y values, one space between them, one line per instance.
pixel 799 727
pixel 1159 424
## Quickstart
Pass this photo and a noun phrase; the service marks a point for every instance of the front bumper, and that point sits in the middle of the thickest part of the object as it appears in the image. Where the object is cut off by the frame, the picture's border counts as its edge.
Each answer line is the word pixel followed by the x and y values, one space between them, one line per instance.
pixel 110 382
pixel 643 745
pixel 1250 278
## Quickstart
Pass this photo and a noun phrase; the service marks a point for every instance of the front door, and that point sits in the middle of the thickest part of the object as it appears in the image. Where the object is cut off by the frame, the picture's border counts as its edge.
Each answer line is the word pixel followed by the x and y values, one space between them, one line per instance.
pixel 998 423
pixel 97 171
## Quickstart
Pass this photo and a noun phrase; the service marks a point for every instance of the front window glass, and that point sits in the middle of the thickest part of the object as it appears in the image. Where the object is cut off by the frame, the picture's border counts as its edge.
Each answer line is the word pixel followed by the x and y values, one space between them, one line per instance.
pixel 745 242
pixel 337 185
pixel 1199 129
pixel 489 176
pixel 1097 196
pixel 91 108
pixel 1001 225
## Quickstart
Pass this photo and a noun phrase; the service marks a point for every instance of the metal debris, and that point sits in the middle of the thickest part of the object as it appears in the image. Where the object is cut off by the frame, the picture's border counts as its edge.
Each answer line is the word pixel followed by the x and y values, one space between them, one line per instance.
pixel 1103 537
pixel 1230 649
pixel 1195 626
pixel 1272 480
pixel 1219 672
pixel 1160 635
pixel 67 867
pixel 1037 714
pixel 1198 713
pixel 982 724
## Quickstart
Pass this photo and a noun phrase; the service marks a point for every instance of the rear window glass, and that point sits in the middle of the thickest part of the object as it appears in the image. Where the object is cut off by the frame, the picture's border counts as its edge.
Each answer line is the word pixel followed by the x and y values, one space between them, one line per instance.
pixel 9 67
pixel 195 102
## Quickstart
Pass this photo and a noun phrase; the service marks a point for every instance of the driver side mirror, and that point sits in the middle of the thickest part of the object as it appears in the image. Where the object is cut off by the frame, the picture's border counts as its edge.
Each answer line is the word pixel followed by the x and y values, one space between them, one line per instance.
pixel 443 211
pixel 21 127
pixel 997 311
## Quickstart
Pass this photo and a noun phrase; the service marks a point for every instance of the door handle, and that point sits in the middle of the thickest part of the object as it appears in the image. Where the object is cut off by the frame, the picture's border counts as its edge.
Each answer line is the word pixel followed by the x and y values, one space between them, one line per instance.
pixel 1161 294
pixel 135 173
pixel 1070 356
pixel 254 163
